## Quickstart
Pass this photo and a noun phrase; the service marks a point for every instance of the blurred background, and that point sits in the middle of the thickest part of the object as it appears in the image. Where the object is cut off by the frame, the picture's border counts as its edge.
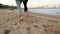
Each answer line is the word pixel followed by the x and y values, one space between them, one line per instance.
pixel 39 6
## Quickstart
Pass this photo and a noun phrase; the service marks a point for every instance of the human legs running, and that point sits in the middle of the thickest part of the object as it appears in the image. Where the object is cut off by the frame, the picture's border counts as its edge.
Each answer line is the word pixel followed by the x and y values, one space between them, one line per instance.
pixel 18 2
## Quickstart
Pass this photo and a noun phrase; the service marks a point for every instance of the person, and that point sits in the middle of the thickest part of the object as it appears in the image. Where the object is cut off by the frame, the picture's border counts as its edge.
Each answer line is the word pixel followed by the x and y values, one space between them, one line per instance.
pixel 18 2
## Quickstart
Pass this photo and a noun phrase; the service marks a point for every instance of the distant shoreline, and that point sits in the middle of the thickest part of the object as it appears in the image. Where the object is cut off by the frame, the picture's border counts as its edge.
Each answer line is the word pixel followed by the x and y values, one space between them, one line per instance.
pixel 43 8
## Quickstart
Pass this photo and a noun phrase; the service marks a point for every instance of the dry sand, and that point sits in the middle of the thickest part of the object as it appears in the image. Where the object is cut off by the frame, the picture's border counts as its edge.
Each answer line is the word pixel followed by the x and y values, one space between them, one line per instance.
pixel 33 24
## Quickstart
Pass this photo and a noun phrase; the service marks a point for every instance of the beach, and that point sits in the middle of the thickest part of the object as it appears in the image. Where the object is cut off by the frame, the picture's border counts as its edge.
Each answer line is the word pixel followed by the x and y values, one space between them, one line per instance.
pixel 36 23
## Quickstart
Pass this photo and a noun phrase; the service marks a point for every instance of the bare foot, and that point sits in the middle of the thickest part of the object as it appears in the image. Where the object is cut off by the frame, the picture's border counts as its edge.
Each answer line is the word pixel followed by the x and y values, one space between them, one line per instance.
pixel 26 13
pixel 21 18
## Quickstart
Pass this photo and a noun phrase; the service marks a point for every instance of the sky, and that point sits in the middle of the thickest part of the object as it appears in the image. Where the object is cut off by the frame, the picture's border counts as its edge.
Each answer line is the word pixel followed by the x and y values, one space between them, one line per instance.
pixel 32 3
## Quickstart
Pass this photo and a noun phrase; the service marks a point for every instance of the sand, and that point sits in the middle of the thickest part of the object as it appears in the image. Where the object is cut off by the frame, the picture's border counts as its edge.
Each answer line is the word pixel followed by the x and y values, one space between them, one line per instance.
pixel 10 23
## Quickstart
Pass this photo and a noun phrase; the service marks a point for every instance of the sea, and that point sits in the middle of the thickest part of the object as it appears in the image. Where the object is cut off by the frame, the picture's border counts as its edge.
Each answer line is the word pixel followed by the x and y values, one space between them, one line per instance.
pixel 52 11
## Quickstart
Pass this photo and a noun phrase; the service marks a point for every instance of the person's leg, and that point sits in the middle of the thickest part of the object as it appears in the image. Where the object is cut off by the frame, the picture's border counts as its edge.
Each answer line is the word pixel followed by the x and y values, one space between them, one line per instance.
pixel 26 12
pixel 25 5
pixel 18 2
pixel 19 7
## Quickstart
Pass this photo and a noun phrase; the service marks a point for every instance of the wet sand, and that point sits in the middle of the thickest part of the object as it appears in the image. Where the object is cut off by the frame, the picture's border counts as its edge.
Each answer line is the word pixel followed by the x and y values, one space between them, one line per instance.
pixel 10 23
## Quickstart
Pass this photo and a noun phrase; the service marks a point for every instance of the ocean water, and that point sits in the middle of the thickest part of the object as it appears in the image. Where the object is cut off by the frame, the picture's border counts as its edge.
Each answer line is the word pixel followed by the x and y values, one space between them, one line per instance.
pixel 47 11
